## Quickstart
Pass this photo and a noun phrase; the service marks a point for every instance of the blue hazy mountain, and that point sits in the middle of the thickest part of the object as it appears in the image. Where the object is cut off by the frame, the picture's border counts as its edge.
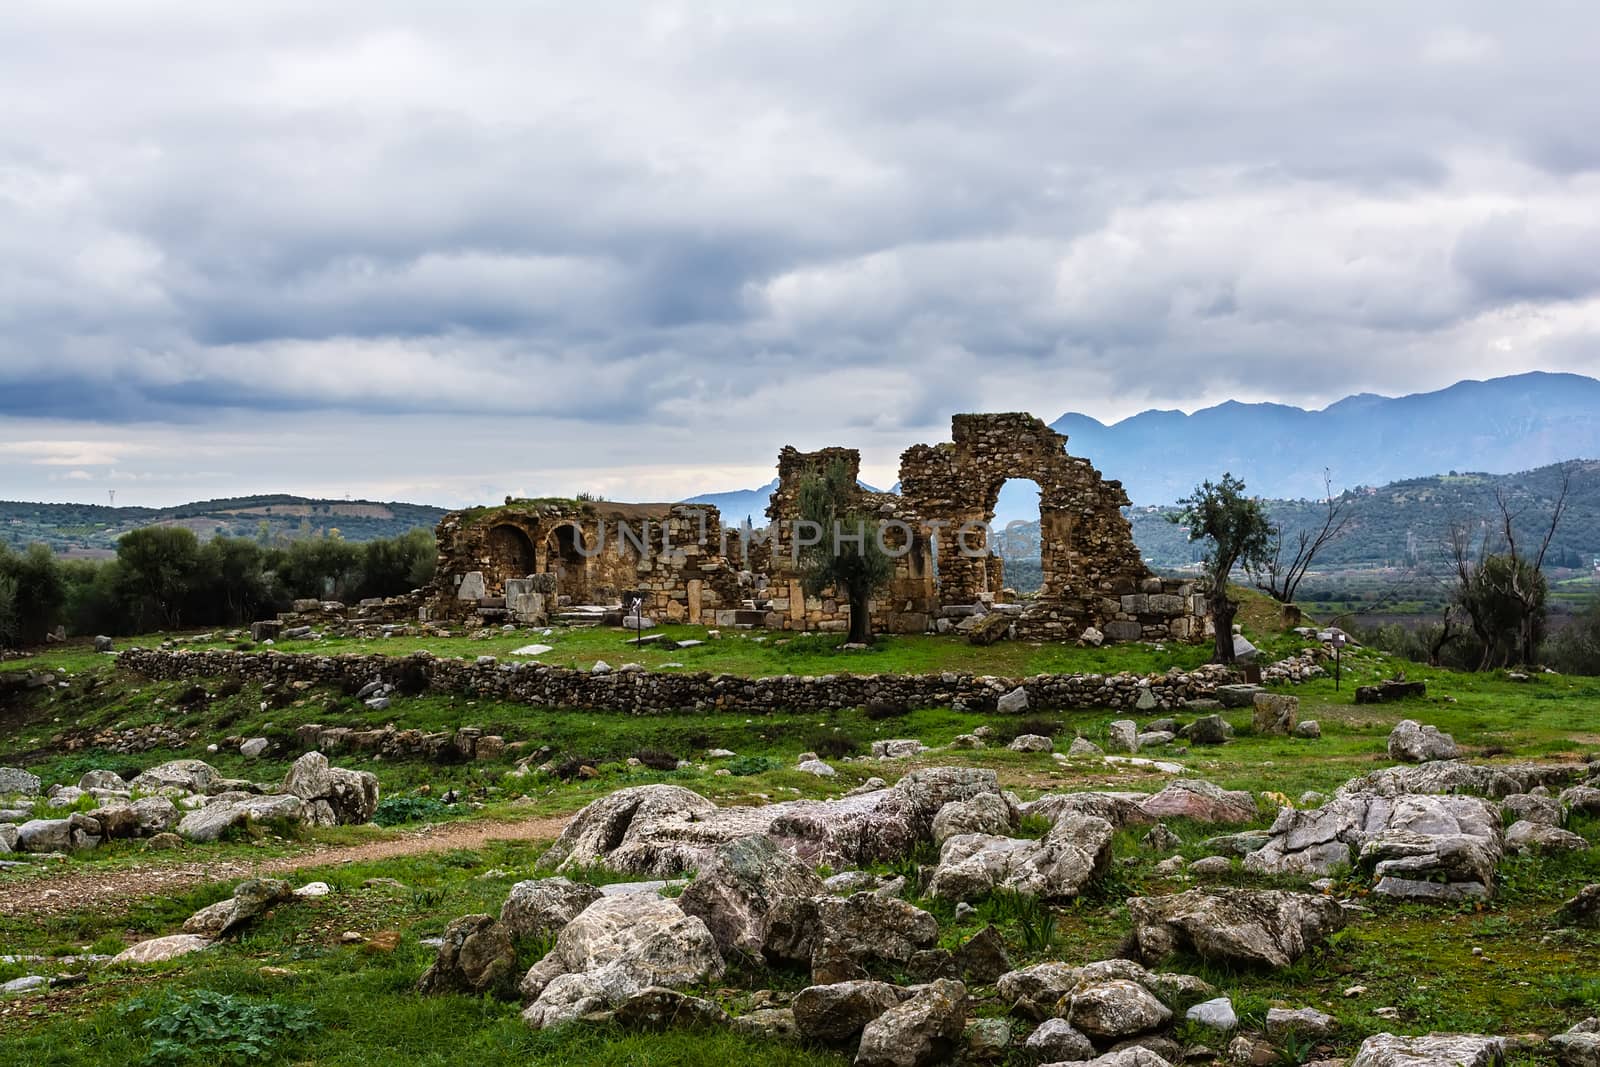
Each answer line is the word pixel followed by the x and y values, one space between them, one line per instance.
pixel 1498 426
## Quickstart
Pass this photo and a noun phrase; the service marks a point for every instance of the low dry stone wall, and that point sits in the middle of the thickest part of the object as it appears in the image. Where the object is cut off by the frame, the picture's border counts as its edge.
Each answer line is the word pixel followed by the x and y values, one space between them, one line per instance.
pixel 637 691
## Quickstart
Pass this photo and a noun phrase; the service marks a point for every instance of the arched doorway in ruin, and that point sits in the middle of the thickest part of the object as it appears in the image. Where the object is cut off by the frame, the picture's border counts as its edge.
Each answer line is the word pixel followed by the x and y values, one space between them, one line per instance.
pixel 511 555
pixel 1017 535
pixel 564 558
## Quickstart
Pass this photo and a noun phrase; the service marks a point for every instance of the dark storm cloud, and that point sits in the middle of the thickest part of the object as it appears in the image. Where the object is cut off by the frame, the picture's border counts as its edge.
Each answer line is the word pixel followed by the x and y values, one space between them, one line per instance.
pixel 829 216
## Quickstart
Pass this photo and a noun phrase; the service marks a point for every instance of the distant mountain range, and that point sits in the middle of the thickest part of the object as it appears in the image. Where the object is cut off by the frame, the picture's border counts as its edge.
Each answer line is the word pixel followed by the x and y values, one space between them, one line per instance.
pixel 1498 426
pixel 1404 524
pixel 93 529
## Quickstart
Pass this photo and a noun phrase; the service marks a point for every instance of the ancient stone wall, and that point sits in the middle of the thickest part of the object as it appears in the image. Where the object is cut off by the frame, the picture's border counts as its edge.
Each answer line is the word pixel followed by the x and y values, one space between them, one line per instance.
pixel 1093 576
pixel 637 691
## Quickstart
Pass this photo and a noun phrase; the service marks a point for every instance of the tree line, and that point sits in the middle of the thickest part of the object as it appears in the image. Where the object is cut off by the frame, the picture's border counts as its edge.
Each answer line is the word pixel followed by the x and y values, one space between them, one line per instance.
pixel 164 578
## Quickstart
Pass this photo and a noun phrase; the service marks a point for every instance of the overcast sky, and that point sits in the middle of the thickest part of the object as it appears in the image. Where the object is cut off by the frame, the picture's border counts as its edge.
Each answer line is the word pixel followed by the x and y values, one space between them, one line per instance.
pixel 446 252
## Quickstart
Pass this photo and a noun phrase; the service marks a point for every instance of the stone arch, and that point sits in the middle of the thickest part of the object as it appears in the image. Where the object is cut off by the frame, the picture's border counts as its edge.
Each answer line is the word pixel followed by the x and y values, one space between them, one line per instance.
pixel 564 557
pixel 511 554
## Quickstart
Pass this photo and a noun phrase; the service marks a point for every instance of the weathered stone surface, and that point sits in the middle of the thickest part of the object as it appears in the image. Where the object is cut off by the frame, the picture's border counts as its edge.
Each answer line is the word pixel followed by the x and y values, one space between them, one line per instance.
pixel 656 1009
pixel 1583 909
pixel 17 780
pixel 1526 836
pixel 769 1024
pixel 1530 807
pixel 986 813
pixel 334 796
pixel 1057 1040
pixel 1579 1046
pixel 476 957
pixel 860 928
pixel 1131 1056
pixel 251 898
pixel 189 775
pixel 1269 928
pixel 1013 702
pixel 161 949
pixel 743 882
pixel 1200 800
pixel 982 958
pixel 1033 992
pixel 986 1040
pixel 1303 1022
pixel 1083 748
pixel 1275 714
pixel 1412 742
pixel 1076 850
pixel 1584 798
pixel 541 907
pixel 1214 1014
pixel 1031 743
pixel 1118 809
pixel 616 947
pixel 211 822
pixel 1122 736
pixel 898 748
pixel 664 830
pixel 1458 776
pixel 838 1011
pixel 919 1032
pixel 1434 1050
pixel 1114 1009
pixel 1208 730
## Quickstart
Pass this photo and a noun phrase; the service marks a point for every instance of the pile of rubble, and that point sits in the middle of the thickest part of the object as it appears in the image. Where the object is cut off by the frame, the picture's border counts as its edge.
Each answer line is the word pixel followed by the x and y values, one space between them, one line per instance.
pixel 182 800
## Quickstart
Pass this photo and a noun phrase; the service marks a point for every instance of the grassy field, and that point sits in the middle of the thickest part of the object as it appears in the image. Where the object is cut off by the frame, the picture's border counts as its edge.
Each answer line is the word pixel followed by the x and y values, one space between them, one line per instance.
pixel 354 1004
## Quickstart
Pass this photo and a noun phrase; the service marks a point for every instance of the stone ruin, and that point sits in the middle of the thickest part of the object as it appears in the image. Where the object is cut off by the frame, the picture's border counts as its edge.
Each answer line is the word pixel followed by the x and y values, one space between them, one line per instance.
pixel 534 561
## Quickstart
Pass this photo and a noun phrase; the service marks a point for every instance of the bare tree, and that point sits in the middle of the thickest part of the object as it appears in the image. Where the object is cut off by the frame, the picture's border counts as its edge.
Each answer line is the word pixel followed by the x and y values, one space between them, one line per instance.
pixel 1280 577
pixel 1526 584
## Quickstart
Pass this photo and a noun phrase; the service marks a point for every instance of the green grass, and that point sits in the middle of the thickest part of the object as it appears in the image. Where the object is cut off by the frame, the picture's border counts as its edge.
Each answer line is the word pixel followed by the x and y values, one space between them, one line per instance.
pixel 362 1005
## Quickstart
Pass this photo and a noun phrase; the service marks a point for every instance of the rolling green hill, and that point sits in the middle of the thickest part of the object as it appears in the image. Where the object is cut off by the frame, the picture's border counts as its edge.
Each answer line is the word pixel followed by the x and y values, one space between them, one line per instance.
pixel 92 529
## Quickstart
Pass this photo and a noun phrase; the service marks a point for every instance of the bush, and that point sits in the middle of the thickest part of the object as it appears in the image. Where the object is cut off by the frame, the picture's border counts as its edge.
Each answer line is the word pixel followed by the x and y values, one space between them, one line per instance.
pixel 878 710
pixel 745 766
pixel 392 811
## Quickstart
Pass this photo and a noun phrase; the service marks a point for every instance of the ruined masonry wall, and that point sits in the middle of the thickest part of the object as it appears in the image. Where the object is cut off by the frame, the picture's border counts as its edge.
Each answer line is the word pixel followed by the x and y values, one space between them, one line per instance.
pixel 652 692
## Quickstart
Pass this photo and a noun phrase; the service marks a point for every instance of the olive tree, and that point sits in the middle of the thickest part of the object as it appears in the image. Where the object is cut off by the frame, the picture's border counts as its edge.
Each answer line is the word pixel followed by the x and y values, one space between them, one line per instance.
pixel 1238 533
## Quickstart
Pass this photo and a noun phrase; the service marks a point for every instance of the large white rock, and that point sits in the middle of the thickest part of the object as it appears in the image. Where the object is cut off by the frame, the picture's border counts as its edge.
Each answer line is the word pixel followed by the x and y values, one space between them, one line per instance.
pixel 1412 742
pixel 615 948
pixel 1076 850
pixel 1434 1050
pixel 160 949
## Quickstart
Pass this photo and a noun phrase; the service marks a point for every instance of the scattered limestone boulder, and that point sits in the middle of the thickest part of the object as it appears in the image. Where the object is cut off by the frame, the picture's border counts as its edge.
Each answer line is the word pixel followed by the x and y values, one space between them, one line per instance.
pixel 1434 1050
pixel 919 1032
pixel 982 958
pixel 1115 1009
pixel 1076 850
pixel 75 833
pixel 541 907
pixel 898 748
pixel 1275 714
pixel 745 880
pixel 862 927
pixel 1208 730
pixel 94 780
pixel 657 1009
pixel 17 780
pixel 251 898
pixel 1528 836
pixel 1256 928
pixel 1122 736
pixel 161 949
pixel 614 948
pixel 1583 909
pixel 1579 1046
pixel 475 957
pixel 1308 730
pixel 1056 1040
pixel 1133 1055
pixel 1033 992
pixel 1531 807
pixel 986 1040
pixel 254 748
pixel 1584 798
pixel 210 823
pixel 334 796
pixel 836 1012
pixel 986 813
pixel 1214 1014
pixel 188 775
pixel 1200 800
pixel 1300 1022
pixel 1083 748
pixel 1031 743
pixel 1412 742
pixel 766 1024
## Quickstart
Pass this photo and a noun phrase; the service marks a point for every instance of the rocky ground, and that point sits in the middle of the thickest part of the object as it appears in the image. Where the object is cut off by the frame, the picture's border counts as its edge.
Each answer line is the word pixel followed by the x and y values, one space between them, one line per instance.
pixel 1229 887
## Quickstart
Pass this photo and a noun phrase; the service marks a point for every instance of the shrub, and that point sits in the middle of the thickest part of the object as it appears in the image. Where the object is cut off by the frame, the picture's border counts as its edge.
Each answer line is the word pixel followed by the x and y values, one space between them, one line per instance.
pixel 392 811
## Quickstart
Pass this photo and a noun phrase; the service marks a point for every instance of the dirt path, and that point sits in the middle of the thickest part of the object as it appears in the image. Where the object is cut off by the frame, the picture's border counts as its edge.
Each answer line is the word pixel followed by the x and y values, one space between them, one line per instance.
pixel 80 887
